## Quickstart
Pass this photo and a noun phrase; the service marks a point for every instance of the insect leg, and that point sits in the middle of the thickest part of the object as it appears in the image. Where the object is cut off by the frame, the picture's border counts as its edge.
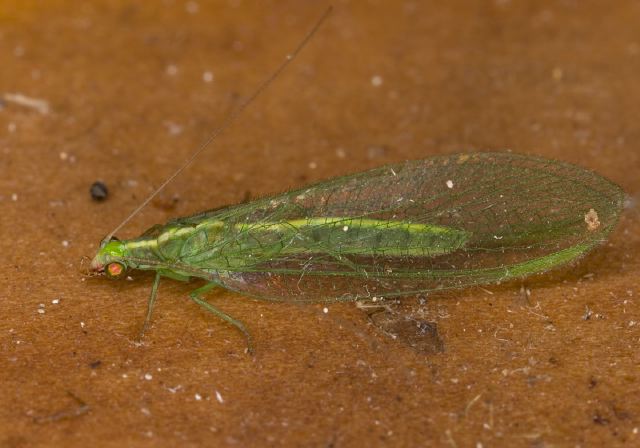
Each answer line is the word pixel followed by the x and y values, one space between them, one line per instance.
pixel 195 296
pixel 150 303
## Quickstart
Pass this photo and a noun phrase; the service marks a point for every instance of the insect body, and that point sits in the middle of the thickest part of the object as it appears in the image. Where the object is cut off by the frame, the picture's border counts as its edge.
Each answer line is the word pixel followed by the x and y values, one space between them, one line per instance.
pixel 398 230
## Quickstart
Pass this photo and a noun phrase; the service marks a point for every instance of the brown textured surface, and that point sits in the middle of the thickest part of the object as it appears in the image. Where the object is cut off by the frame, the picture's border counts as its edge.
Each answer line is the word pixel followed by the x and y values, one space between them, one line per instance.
pixel 557 79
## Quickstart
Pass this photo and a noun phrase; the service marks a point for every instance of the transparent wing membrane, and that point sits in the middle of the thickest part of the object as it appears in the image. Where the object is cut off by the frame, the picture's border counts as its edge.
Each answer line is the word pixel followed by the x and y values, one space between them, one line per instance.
pixel 440 223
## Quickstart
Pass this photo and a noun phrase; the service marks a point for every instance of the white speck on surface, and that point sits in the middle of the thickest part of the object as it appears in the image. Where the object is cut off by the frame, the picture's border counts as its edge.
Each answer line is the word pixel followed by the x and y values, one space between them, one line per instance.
pixel 40 311
pixel 192 7
pixel 172 69
pixel 325 310
pixel 11 127
pixel 65 243
pixel 64 156
pixel 219 397
pixel 148 376
pixel 145 411
pixel 313 165
pixel 450 184
pixel 124 375
pixel 14 197
pixel 376 80
pixel 39 105
pixel 557 73
pixel 207 76
pixel 198 397
pixel 81 324
pixel 129 278
pixel 345 228
pixel 173 128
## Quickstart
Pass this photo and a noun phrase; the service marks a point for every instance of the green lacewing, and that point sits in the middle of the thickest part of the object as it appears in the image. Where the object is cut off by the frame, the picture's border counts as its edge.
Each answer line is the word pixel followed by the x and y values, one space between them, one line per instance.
pixel 399 230
pixel 410 228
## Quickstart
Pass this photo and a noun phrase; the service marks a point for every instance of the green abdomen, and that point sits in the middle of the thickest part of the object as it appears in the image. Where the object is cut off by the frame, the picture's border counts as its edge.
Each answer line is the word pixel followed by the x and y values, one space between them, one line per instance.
pixel 231 247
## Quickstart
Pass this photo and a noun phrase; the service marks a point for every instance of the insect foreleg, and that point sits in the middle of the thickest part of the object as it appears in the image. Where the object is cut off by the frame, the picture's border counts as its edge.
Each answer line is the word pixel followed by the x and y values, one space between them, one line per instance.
pixel 195 296
pixel 150 303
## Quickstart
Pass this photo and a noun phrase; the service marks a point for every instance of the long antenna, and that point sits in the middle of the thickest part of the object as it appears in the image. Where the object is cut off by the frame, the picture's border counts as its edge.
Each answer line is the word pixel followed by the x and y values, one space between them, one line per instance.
pixel 230 120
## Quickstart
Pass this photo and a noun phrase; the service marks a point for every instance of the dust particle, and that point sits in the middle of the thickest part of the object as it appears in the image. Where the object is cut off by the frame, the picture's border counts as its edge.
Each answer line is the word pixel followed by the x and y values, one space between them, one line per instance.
pixel 99 191
pixel 591 218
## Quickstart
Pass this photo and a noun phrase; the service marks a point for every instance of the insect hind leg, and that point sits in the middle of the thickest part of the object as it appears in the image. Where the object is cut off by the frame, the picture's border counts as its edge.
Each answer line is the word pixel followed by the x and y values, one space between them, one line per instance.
pixel 195 296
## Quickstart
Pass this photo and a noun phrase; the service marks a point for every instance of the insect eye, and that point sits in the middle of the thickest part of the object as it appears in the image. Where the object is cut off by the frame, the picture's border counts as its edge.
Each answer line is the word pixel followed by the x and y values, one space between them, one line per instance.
pixel 115 270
